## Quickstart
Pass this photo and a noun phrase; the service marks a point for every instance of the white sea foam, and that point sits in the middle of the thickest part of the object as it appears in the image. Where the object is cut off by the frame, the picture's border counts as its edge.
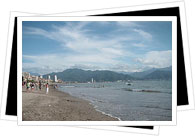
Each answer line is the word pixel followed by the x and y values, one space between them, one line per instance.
pixel 68 86
pixel 104 112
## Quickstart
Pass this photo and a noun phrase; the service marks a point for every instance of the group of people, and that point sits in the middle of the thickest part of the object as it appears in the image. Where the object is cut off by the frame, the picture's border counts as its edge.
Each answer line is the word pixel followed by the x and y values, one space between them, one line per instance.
pixel 35 86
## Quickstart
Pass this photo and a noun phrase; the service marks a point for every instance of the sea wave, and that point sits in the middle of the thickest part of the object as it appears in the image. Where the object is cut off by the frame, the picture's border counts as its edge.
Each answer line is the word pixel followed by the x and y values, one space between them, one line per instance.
pixel 68 86
pixel 145 91
pixel 156 107
pixel 108 114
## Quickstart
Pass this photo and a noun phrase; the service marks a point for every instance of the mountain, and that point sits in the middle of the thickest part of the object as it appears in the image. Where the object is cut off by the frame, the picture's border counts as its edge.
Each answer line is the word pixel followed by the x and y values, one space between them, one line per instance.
pixel 80 75
pixel 165 69
pixel 143 75
pixel 165 75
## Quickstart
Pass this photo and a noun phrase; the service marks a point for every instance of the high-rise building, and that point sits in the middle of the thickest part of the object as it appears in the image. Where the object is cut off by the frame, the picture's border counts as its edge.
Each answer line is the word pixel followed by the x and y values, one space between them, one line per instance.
pixel 49 77
pixel 55 78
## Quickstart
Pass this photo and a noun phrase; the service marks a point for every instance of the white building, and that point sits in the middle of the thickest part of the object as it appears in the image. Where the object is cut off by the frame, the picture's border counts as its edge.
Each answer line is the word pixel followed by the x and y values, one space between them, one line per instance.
pixel 41 76
pixel 55 78
pixel 26 74
pixel 49 77
pixel 35 78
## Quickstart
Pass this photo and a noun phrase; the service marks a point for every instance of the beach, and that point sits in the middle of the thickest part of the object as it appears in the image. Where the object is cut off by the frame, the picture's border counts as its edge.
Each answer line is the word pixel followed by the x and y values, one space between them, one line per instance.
pixel 58 106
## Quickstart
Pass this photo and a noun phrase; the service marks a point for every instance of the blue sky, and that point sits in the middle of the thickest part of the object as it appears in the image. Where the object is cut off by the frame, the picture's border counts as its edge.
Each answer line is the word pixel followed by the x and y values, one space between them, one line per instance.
pixel 53 46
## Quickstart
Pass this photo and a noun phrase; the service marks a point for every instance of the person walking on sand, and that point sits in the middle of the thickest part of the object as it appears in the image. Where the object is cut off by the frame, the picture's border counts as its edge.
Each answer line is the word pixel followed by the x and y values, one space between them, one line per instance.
pixel 47 88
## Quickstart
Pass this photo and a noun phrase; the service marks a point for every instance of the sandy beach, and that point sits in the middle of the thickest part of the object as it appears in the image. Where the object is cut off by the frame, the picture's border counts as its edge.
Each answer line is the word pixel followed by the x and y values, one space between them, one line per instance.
pixel 58 106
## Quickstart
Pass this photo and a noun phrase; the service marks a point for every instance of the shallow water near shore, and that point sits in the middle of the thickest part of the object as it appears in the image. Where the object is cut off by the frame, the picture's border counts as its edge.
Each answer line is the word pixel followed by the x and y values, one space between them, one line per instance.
pixel 140 101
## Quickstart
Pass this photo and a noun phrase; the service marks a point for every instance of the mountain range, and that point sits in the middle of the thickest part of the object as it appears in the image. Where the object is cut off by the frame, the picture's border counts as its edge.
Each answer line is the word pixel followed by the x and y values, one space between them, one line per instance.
pixel 150 71
pixel 80 75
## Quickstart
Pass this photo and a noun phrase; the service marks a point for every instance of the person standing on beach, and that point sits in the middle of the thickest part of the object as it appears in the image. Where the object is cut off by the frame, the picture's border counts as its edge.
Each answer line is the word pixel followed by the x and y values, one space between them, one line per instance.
pixel 32 86
pixel 55 86
pixel 22 81
pixel 47 88
pixel 39 85
pixel 28 86
pixel 36 86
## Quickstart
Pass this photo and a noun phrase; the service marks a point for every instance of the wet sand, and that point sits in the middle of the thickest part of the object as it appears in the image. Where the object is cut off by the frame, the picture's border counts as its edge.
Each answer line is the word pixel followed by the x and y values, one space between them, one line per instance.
pixel 58 106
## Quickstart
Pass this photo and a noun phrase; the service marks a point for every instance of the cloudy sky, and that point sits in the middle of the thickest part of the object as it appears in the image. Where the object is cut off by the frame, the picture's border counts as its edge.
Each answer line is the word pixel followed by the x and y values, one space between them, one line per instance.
pixel 53 46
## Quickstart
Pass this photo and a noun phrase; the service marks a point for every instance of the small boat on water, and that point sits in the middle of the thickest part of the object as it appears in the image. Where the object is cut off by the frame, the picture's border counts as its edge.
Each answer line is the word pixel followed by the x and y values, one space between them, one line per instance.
pixel 128 84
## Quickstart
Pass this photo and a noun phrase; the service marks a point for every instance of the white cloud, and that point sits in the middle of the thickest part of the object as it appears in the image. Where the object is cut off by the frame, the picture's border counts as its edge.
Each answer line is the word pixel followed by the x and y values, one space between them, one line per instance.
pixel 112 51
pixel 75 38
pixel 59 62
pixel 144 34
pixel 89 51
pixel 86 49
pixel 139 45
pixel 127 24
pixel 157 59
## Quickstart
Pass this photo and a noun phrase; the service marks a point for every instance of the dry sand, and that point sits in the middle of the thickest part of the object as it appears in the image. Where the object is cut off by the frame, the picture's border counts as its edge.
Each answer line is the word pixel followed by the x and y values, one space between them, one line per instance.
pixel 58 106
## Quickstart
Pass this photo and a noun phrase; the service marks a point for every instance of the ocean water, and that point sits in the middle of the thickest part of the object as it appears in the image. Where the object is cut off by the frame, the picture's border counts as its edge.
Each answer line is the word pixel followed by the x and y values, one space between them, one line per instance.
pixel 140 101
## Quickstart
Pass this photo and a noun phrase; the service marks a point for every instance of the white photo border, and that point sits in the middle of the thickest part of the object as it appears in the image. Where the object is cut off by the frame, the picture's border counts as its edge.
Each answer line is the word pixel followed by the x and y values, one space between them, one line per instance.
pixel 7 71
pixel 8 63
pixel 97 123
pixel 180 4
pixel 129 129
pixel 129 8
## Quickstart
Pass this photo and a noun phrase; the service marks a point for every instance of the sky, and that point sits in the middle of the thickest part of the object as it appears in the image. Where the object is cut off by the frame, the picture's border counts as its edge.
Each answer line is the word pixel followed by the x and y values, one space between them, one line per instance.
pixel 121 46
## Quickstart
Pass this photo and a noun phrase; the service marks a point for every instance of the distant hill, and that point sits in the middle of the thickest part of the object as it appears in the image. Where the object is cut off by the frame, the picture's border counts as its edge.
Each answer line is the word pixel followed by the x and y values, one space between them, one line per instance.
pixel 143 75
pixel 165 75
pixel 80 75
pixel 166 69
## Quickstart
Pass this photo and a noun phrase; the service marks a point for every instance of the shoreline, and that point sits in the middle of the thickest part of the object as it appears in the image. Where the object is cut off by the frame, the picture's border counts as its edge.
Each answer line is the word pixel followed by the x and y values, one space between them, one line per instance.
pixel 94 106
pixel 106 113
pixel 59 106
